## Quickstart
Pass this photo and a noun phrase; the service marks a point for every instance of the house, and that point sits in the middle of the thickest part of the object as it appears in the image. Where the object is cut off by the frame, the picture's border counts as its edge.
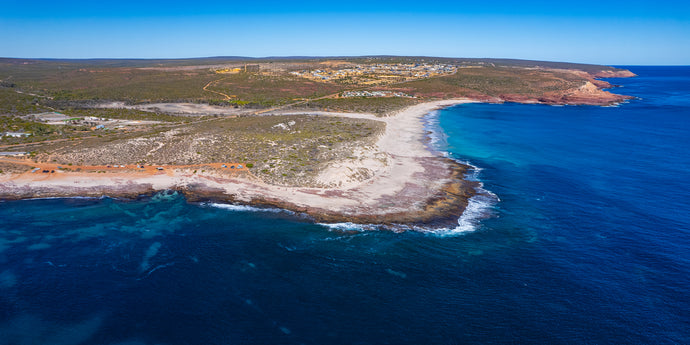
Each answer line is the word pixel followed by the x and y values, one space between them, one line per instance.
pixel 16 134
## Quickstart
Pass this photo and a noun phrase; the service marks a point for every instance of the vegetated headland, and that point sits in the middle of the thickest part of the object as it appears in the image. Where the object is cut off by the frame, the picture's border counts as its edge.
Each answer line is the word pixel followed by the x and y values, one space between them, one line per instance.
pixel 340 139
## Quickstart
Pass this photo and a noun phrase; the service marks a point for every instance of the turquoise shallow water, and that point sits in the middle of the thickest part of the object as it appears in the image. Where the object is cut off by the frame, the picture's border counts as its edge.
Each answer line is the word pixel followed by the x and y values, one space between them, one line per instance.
pixel 588 244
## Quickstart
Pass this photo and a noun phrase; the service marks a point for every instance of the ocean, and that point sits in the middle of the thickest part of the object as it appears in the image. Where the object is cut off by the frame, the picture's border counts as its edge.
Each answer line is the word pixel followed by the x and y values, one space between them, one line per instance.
pixel 581 236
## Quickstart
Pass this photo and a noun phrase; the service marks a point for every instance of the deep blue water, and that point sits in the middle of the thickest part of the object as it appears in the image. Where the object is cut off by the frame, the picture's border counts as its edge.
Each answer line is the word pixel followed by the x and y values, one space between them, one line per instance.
pixel 589 244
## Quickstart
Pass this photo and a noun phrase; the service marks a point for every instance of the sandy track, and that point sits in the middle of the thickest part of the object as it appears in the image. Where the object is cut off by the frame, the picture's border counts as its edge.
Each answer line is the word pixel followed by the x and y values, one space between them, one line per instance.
pixel 190 109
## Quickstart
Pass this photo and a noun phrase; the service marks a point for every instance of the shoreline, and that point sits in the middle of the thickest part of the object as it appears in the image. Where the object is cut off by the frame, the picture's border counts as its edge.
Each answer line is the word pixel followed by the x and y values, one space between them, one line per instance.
pixel 411 183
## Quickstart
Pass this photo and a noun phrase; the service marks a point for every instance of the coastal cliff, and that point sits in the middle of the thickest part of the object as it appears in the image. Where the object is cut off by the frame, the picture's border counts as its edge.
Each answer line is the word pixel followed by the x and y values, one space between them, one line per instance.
pixel 590 92
pixel 532 84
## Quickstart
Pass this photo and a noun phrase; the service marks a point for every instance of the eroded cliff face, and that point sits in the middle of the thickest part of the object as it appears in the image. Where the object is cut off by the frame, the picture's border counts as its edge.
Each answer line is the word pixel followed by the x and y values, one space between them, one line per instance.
pixel 592 94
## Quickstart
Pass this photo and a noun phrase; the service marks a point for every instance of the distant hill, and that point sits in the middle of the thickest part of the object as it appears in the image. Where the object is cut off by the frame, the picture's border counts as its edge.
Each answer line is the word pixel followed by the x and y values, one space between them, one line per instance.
pixel 238 59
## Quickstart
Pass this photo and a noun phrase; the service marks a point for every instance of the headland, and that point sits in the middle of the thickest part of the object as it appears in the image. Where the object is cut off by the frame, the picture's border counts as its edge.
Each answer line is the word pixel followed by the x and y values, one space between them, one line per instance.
pixel 338 139
pixel 406 182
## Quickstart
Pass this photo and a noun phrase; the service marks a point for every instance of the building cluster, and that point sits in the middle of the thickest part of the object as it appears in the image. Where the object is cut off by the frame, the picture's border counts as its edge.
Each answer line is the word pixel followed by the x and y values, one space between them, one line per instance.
pixel 378 73
pixel 93 122
pixel 347 94
pixel 15 134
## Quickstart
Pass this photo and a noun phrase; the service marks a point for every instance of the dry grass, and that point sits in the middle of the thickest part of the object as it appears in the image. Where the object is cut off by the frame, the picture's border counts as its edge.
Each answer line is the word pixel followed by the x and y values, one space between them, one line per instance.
pixel 378 106
pixel 15 103
pixel 286 150
pixel 486 82
pixel 269 90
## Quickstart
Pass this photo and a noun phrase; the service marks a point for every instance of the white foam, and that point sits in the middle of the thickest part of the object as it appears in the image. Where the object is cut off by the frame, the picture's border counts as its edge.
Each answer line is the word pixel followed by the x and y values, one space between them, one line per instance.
pixel 478 208
pixel 396 273
pixel 68 197
pixel 243 208
pixel 165 196
pixel 438 139
pixel 156 269
pixel 348 226
pixel 615 105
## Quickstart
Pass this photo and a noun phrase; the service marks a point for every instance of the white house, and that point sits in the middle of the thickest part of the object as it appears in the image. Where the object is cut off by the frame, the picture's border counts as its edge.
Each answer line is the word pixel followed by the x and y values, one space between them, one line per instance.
pixel 16 134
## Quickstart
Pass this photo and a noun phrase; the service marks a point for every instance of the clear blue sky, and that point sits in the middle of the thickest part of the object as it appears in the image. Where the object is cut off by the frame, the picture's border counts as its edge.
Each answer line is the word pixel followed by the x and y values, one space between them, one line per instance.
pixel 603 32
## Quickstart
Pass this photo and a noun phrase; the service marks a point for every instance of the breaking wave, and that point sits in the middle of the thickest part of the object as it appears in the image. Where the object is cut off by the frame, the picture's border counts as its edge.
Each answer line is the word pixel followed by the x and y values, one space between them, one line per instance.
pixel 348 226
pixel 244 208
pixel 438 139
pixel 481 205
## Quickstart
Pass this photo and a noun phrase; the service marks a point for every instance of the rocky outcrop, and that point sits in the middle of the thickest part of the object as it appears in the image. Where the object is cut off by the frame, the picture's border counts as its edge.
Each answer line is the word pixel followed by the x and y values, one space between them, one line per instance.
pixel 9 191
pixel 589 93
pixel 441 210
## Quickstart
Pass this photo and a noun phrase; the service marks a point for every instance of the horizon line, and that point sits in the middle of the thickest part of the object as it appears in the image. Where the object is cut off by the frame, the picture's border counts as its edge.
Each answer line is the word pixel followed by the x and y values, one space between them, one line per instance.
pixel 288 57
